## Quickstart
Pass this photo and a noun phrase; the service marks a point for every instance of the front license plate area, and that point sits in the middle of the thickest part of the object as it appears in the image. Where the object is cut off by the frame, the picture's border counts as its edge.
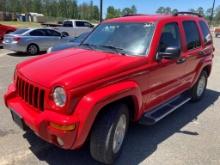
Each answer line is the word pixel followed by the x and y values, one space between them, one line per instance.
pixel 18 120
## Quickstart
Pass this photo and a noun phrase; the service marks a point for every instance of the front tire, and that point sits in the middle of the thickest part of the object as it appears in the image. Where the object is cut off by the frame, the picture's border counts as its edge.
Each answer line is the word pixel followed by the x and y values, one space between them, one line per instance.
pixel 199 88
pixel 108 133
pixel 32 49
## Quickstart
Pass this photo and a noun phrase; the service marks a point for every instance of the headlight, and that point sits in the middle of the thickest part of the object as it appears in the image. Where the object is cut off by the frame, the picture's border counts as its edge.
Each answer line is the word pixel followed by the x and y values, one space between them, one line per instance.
pixel 59 97
pixel 49 50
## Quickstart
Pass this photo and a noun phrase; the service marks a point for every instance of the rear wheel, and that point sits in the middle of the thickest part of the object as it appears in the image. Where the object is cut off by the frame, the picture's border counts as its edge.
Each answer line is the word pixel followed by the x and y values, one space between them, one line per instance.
pixel 108 133
pixel 33 49
pixel 199 88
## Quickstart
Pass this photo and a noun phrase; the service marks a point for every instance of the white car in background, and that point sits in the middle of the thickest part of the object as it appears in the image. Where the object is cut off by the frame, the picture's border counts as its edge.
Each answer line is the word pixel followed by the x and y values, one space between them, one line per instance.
pixel 74 27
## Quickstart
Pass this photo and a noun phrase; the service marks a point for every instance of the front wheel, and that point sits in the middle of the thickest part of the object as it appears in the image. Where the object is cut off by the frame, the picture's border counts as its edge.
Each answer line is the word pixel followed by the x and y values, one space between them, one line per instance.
pixel 108 133
pixel 199 88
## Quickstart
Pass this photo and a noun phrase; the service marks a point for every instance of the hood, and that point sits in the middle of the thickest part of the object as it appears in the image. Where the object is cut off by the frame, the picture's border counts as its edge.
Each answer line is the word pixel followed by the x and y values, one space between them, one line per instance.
pixel 75 67
pixel 63 46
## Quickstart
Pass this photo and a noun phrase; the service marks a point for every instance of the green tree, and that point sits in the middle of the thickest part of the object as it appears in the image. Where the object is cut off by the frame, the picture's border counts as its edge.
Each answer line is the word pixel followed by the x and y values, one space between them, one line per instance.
pixel 200 10
pixel 160 10
pixel 174 11
pixel 112 12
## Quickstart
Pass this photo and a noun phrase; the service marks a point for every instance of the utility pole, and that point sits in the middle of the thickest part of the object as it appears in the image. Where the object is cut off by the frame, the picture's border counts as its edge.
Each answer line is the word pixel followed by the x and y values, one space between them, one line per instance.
pixel 213 8
pixel 100 14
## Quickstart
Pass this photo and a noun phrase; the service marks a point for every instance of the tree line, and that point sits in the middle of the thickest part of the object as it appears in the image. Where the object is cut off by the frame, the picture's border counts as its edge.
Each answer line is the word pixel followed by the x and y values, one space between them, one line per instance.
pixel 53 8
pixel 113 12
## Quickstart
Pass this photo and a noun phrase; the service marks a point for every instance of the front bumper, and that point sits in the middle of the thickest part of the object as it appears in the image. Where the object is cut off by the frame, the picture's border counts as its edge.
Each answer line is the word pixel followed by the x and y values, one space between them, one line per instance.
pixel 40 121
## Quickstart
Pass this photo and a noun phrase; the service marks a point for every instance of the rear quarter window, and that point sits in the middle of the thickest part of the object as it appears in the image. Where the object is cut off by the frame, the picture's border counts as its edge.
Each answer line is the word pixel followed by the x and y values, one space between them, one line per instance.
pixel 207 37
pixel 192 34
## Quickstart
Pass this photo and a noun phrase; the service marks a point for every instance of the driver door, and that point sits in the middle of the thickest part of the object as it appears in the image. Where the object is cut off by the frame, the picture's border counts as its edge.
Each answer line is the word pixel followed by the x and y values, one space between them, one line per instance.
pixel 165 78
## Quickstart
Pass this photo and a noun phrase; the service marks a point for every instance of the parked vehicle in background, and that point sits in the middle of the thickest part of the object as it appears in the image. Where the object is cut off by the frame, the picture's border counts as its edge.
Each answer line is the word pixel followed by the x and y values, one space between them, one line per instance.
pixel 74 27
pixel 72 43
pixel 33 41
pixel 5 30
pixel 136 68
pixel 217 32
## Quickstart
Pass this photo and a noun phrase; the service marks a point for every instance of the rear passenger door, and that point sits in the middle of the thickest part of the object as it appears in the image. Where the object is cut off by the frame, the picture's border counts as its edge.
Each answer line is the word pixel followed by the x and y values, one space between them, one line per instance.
pixel 37 37
pixel 193 49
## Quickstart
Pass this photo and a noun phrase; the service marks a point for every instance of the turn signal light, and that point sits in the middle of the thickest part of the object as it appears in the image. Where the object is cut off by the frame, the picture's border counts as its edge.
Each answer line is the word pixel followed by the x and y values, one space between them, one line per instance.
pixel 63 127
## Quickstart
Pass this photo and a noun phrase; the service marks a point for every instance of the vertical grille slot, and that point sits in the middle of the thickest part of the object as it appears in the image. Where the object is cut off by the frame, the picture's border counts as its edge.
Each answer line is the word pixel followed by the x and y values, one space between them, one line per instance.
pixel 31 88
pixel 35 97
pixel 30 94
pixel 41 100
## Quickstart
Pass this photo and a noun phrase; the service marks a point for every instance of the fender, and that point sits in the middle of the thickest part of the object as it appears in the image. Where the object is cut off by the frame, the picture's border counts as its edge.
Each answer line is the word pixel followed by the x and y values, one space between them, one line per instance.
pixel 203 63
pixel 89 106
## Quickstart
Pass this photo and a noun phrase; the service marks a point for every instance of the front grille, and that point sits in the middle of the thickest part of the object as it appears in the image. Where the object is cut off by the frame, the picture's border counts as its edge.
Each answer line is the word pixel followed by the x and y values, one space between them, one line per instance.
pixel 30 94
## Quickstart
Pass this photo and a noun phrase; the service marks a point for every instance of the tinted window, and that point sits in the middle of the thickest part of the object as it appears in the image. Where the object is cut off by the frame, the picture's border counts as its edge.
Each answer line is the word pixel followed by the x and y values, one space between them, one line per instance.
pixel 68 24
pixel 80 24
pixel 170 37
pixel 192 35
pixel 37 33
pixel 207 38
pixel 52 33
pixel 83 24
pixel 20 31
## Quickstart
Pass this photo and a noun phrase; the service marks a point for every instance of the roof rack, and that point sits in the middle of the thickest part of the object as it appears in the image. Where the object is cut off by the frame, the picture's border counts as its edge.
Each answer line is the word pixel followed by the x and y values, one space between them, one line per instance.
pixel 187 13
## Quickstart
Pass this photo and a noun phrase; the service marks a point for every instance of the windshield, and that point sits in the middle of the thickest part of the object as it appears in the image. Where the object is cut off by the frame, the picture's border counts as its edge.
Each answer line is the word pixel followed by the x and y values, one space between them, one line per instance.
pixel 129 38
pixel 20 31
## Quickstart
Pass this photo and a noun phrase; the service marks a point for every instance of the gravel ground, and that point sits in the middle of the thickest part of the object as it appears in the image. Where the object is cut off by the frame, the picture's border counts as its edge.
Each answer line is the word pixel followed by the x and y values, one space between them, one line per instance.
pixel 191 135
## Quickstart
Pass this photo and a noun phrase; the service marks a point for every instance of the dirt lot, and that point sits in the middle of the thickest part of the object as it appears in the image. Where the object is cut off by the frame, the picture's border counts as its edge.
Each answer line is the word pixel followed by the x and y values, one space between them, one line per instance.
pixel 189 136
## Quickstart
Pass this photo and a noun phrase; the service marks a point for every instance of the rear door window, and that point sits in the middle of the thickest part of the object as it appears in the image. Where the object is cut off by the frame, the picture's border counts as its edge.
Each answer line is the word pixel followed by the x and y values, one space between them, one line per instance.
pixel 80 24
pixel 170 37
pixel 192 35
pixel 207 38
pixel 83 24
pixel 53 33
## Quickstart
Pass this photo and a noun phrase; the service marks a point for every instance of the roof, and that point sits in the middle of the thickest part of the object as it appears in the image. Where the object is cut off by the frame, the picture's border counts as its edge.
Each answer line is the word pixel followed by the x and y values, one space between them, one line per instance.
pixel 149 18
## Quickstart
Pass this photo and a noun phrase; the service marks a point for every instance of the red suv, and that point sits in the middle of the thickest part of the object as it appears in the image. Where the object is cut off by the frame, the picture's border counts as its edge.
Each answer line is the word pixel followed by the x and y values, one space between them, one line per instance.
pixel 4 30
pixel 136 68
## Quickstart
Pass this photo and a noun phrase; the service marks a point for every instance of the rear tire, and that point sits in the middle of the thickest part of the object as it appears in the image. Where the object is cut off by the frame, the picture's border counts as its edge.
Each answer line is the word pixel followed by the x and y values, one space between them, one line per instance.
pixel 32 49
pixel 108 133
pixel 199 88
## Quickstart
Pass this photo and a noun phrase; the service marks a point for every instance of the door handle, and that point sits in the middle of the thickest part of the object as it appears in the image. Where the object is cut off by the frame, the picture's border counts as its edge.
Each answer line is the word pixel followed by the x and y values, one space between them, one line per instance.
pixel 181 60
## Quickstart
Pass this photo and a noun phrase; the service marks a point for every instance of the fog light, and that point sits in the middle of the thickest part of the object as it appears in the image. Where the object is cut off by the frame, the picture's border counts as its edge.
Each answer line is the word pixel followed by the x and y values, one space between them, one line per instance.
pixel 63 127
pixel 60 141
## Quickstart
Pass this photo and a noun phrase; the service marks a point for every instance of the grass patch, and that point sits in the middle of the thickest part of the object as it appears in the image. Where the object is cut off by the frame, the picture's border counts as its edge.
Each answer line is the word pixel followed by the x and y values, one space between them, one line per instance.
pixel 21 24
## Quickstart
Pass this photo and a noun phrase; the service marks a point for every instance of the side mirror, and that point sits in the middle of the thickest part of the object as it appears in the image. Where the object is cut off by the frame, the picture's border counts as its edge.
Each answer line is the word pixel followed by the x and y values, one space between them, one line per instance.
pixel 170 53
pixel 64 34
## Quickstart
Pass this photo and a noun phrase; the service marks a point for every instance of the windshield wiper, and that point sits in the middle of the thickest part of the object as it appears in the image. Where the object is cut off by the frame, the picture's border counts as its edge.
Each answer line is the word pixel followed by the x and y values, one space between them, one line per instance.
pixel 116 49
pixel 90 46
